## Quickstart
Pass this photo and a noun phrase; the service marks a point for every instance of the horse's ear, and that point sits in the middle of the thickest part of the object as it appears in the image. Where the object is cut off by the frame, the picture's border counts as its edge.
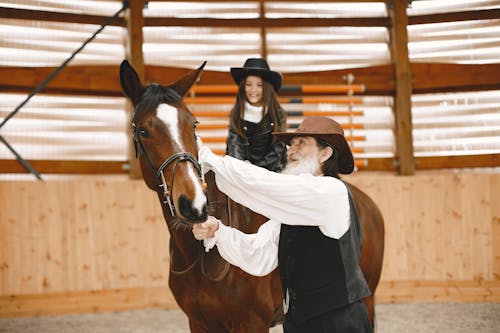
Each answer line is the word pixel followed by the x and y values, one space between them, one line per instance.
pixel 183 85
pixel 130 81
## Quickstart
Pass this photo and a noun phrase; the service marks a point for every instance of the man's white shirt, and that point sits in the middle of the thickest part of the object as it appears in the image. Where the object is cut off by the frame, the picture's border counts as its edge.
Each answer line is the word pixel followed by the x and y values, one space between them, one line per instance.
pixel 304 200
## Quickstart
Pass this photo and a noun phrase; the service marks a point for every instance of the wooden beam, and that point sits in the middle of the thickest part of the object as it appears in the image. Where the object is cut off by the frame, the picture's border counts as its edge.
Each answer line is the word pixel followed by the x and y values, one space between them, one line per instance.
pixel 66 167
pixel 472 15
pixel 458 162
pixel 263 33
pixel 267 22
pixel 40 15
pixel 133 50
pixel 378 80
pixel 26 14
pixel 437 162
pixel 402 99
pixel 121 167
pixel 77 80
pixel 439 77
pixel 306 1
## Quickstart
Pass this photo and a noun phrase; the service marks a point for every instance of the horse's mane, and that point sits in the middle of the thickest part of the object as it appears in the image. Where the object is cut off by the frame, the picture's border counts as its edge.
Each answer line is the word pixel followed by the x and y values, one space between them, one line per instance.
pixel 155 94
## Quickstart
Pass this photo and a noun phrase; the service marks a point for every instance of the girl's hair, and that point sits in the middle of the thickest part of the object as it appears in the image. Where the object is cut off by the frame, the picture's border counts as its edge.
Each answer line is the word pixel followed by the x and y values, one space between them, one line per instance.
pixel 331 166
pixel 269 101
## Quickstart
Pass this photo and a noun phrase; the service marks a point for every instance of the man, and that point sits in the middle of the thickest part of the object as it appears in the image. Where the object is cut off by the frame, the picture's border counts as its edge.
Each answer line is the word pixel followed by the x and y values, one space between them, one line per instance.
pixel 313 233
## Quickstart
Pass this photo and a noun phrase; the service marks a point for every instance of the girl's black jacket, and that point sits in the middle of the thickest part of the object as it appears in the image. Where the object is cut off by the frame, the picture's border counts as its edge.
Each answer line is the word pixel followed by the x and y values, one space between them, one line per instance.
pixel 259 148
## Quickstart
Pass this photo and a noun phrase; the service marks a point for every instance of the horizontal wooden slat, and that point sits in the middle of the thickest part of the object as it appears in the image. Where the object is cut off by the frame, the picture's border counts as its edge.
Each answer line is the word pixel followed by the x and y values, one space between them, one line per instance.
pixel 283 100
pixel 306 1
pixel 438 162
pixel 225 114
pixel 222 139
pixel 66 167
pixel 34 305
pixel 444 291
pixel 224 126
pixel 370 164
pixel 95 301
pixel 303 89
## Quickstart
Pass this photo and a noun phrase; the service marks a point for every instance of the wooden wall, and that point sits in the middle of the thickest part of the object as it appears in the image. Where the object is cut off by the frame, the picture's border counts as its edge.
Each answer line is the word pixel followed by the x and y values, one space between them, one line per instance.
pixel 90 246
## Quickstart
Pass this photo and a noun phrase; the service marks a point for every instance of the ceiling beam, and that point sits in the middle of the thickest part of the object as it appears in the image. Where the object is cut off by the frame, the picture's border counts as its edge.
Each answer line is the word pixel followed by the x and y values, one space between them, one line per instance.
pixel 41 15
pixel 472 15
pixel 267 22
pixel 305 1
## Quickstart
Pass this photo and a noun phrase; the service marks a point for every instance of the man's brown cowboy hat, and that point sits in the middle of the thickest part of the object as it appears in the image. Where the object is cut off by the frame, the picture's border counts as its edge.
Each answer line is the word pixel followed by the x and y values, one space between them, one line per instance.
pixel 258 67
pixel 327 130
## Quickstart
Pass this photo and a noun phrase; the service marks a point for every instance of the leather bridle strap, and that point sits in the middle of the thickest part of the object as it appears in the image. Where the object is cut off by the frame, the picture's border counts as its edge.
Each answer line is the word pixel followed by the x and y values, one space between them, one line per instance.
pixel 174 158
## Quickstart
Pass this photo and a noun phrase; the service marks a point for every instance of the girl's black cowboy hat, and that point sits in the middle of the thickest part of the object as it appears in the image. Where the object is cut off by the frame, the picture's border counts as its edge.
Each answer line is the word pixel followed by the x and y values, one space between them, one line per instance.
pixel 327 130
pixel 258 67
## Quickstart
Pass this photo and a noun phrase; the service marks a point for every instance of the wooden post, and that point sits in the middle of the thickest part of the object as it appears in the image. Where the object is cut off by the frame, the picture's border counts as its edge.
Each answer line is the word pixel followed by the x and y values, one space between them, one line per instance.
pixel 133 48
pixel 405 161
pixel 263 36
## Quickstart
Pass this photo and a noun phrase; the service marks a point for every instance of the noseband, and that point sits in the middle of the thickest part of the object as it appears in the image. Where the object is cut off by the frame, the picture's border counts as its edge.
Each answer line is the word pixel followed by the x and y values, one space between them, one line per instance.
pixel 175 159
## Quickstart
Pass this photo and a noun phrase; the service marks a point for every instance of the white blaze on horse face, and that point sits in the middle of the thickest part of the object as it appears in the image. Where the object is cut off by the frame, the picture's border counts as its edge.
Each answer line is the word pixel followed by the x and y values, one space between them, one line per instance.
pixel 169 116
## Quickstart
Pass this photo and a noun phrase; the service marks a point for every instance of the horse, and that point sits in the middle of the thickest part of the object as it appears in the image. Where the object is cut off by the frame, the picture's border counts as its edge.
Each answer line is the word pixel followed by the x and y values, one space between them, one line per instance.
pixel 215 296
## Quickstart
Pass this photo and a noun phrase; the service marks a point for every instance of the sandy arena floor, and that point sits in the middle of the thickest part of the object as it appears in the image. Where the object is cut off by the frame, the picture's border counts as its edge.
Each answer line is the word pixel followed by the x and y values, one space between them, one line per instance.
pixel 391 318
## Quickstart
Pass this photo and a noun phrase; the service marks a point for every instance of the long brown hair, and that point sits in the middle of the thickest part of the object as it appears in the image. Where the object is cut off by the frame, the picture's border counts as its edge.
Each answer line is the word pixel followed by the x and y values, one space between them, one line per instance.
pixel 269 102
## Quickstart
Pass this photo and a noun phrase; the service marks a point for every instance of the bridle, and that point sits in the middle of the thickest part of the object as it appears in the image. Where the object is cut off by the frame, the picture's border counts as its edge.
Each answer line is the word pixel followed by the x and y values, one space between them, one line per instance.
pixel 167 193
pixel 159 174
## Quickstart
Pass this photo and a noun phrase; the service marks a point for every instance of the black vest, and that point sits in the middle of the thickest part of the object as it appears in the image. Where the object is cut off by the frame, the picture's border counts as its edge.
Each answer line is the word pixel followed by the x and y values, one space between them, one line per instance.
pixel 319 273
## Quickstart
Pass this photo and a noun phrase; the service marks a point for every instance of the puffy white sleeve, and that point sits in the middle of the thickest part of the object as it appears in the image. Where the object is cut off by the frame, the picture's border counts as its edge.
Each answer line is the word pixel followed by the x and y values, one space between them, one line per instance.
pixel 290 199
pixel 256 254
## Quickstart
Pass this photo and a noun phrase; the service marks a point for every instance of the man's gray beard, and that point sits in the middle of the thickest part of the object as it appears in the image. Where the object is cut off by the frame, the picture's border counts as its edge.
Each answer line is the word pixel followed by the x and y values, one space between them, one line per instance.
pixel 307 165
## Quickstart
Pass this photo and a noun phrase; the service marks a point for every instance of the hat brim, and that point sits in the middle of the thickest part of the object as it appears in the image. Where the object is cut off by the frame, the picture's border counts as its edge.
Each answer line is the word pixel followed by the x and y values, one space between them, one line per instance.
pixel 275 78
pixel 338 141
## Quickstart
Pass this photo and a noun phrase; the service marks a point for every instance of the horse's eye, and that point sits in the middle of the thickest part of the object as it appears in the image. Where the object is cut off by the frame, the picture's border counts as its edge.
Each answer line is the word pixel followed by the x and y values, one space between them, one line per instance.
pixel 143 132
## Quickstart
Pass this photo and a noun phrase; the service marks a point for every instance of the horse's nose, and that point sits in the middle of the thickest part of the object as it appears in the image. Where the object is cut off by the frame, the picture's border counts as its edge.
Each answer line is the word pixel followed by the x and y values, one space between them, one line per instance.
pixel 191 213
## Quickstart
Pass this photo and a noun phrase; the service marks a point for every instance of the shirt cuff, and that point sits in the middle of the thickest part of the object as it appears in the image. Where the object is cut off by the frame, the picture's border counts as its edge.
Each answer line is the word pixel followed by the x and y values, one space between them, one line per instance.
pixel 207 159
pixel 209 243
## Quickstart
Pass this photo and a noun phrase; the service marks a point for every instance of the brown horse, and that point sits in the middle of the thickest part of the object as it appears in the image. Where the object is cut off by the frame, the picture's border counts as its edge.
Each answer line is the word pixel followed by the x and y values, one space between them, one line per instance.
pixel 216 296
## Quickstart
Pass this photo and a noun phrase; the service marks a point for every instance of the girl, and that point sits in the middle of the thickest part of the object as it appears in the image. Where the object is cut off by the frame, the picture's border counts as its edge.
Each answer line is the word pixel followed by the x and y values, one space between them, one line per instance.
pixel 255 115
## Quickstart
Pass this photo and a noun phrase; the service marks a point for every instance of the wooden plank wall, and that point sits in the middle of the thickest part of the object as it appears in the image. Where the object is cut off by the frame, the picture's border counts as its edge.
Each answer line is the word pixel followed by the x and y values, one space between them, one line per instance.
pixel 89 246
pixel 442 235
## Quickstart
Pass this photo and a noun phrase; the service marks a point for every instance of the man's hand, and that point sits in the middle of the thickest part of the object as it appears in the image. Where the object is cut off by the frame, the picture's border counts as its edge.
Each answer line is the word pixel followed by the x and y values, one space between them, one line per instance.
pixel 206 229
